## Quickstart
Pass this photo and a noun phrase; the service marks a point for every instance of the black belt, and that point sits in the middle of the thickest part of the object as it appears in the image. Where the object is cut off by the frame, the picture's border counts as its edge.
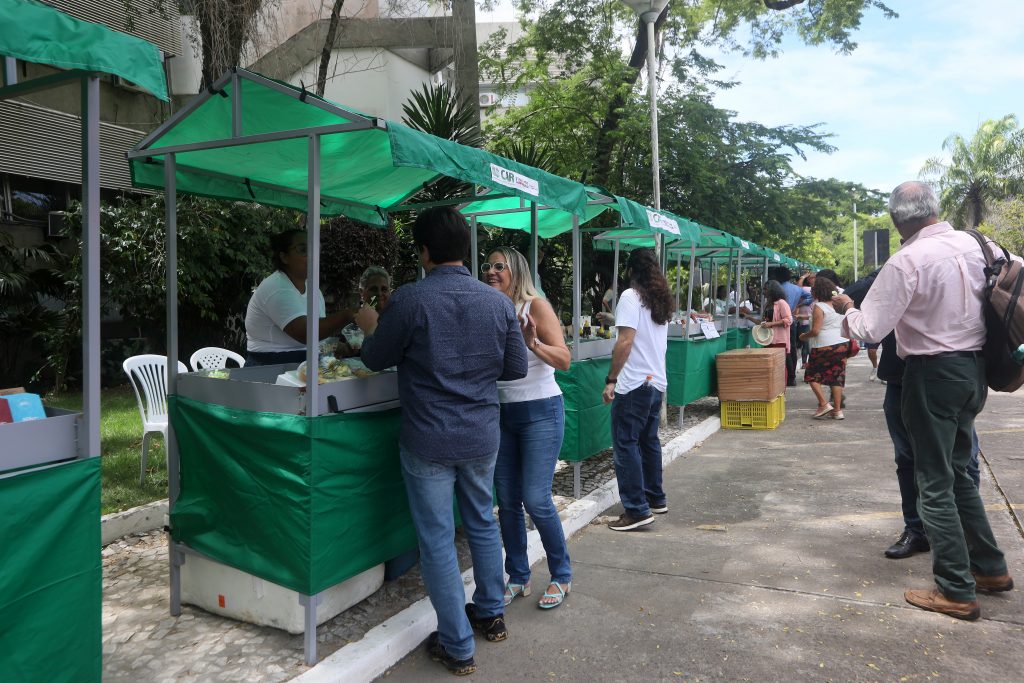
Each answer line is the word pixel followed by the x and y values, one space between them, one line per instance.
pixel 945 354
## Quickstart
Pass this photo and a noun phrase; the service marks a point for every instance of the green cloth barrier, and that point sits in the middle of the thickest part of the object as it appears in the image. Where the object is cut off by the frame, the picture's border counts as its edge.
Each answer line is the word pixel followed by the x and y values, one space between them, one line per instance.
pixel 34 32
pixel 690 365
pixel 737 338
pixel 305 503
pixel 51 581
pixel 588 429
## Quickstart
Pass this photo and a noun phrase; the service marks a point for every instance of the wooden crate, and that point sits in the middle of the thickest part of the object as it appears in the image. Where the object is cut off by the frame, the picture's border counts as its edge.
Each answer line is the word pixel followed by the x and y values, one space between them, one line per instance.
pixel 751 374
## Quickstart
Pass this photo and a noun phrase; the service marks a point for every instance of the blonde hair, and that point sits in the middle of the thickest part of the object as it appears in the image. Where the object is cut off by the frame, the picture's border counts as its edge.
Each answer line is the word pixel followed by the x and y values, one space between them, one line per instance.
pixel 520 288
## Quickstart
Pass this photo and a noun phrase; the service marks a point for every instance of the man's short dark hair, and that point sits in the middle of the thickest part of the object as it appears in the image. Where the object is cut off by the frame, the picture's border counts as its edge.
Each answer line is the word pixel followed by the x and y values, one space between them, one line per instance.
pixel 444 232
pixel 780 274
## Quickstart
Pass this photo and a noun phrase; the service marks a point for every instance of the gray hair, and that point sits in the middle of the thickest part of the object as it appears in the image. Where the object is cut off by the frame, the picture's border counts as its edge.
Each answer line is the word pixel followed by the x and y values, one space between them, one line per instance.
pixel 371 272
pixel 911 202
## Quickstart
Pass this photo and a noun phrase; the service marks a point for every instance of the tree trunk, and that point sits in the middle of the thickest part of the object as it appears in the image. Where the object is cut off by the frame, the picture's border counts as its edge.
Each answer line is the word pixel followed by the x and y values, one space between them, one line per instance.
pixel 325 53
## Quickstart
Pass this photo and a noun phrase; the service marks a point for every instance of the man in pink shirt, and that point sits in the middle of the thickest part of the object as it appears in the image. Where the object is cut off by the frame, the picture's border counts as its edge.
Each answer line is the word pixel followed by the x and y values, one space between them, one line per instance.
pixel 930 291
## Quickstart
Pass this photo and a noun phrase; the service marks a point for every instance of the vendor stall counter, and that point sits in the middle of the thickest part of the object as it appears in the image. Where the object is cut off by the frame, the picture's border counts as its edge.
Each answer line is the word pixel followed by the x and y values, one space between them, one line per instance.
pixel 690 365
pixel 314 506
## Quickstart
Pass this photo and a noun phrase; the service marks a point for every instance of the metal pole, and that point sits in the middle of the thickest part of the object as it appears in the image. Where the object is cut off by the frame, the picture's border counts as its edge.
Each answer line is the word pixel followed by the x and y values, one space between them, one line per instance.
pixel 615 276
pixel 679 279
pixel 175 556
pixel 855 241
pixel 313 279
pixel 89 445
pixel 10 71
pixel 533 244
pixel 876 249
pixel 474 258
pixel 728 287
pixel 689 310
pixel 739 285
pixel 652 86
pixel 577 304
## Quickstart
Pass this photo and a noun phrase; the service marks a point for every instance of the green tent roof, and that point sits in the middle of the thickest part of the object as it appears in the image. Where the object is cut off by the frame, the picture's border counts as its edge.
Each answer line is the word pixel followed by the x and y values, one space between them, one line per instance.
pixel 367 166
pixel 515 215
pixel 37 33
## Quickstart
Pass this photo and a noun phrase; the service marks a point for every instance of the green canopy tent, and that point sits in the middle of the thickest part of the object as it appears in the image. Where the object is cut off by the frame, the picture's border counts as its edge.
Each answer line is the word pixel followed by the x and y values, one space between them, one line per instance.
pixel 252 138
pixel 51 584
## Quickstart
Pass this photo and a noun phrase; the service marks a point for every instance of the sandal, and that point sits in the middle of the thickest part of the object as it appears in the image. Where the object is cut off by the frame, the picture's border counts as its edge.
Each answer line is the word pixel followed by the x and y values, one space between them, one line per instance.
pixel 558 597
pixel 823 411
pixel 514 590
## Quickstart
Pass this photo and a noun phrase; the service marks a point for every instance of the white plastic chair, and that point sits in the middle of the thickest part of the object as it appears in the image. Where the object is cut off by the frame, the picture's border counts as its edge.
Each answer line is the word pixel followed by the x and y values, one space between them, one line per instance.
pixel 149 372
pixel 213 358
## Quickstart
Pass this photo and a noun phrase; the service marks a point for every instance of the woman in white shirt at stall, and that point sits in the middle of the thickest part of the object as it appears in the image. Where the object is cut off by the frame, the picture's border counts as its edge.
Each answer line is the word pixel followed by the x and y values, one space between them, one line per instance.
pixel 275 321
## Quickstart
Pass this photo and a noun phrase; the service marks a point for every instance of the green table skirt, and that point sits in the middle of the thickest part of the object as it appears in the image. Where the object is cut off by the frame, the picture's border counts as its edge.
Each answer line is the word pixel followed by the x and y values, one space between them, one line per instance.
pixel 737 338
pixel 305 503
pixel 51 575
pixel 588 428
pixel 690 365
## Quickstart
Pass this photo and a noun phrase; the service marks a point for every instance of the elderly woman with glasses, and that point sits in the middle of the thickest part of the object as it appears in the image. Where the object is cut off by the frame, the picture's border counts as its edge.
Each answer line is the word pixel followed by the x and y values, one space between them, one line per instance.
pixel 275 320
pixel 532 421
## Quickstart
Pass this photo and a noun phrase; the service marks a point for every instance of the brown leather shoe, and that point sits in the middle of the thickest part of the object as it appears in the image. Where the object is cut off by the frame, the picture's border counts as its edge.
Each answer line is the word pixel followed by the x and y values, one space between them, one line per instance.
pixel 994 584
pixel 934 601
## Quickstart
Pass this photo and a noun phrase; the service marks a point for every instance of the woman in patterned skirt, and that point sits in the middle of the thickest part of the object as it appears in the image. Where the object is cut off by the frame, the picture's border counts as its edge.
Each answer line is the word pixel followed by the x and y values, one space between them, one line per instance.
pixel 827 363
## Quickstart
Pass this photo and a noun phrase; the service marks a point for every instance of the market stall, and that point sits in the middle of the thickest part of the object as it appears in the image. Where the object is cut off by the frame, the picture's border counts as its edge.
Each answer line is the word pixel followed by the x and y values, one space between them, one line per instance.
pixel 290 479
pixel 51 583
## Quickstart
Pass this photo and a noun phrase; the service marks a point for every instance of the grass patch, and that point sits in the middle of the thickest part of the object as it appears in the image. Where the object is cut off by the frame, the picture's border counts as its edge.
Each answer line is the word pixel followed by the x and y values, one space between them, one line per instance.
pixel 121 449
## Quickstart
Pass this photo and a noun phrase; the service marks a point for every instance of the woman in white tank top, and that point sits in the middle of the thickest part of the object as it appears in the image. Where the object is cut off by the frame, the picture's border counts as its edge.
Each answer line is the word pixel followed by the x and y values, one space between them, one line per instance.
pixel 532 422
pixel 829 348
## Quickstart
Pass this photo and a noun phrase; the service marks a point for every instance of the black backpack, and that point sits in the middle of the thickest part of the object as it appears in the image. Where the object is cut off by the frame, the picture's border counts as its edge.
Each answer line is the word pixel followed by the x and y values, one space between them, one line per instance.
pixel 1004 319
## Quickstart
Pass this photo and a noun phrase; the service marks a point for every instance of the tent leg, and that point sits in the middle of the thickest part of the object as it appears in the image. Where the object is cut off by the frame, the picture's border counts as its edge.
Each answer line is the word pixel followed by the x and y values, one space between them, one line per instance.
pixel 577 487
pixel 309 632
pixel 681 410
pixel 176 558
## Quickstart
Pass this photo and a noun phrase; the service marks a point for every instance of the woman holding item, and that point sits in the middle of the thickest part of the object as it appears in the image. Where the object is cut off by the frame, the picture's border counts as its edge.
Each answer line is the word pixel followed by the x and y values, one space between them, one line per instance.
pixel 778 317
pixel 827 364
pixel 532 421
pixel 275 320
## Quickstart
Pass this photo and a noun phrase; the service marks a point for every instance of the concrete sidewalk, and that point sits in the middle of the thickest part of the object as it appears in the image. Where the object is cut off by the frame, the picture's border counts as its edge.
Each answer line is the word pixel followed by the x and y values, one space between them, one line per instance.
pixel 769 567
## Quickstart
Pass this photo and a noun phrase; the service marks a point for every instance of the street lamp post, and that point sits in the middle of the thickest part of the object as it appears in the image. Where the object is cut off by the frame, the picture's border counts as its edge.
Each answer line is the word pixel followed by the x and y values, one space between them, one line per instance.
pixel 855 240
pixel 649 11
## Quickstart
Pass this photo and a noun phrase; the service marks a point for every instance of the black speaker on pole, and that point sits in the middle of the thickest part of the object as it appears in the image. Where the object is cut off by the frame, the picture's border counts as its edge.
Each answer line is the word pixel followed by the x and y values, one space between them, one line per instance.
pixel 876 247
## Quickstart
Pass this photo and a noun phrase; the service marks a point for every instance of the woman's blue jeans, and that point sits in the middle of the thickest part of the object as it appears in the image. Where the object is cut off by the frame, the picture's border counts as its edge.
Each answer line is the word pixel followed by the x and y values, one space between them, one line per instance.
pixel 531 437
pixel 430 486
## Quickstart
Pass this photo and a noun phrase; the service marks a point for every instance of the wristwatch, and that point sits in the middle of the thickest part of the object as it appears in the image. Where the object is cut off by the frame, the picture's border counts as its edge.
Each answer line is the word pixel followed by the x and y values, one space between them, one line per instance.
pixel 610 380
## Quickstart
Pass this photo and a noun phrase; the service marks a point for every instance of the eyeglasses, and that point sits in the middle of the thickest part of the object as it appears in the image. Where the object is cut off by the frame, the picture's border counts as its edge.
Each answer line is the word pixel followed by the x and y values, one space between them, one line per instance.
pixel 498 267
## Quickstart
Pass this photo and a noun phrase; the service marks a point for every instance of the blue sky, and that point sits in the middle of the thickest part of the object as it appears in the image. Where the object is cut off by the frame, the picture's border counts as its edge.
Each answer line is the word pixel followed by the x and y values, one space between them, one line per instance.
pixel 943 66
pixel 940 68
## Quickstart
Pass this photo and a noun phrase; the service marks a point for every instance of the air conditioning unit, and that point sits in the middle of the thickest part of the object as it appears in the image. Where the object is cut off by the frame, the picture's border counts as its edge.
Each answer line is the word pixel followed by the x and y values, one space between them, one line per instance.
pixel 126 84
pixel 488 99
pixel 55 222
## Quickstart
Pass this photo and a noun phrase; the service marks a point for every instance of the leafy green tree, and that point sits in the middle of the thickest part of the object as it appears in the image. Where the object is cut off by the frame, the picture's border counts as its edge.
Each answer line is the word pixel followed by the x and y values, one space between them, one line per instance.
pixel 980 171
pixel 1005 223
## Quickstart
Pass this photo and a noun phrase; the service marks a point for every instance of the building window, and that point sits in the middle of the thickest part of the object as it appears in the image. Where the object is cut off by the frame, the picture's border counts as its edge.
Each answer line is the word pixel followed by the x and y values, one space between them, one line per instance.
pixel 33 198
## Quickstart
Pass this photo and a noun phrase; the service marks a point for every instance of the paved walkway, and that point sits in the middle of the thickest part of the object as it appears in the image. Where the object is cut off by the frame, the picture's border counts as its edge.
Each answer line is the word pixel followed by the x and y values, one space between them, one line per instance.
pixel 769 567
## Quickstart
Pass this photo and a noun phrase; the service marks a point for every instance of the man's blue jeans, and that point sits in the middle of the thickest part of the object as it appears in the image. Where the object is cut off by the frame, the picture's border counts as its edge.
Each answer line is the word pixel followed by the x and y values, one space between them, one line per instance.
pixel 430 487
pixel 905 457
pixel 531 437
pixel 637 449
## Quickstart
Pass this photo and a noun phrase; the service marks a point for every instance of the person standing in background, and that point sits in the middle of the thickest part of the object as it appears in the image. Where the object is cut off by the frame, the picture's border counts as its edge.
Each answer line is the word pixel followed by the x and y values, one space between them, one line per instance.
pixel 930 292
pixel 794 295
pixel 635 387
pixel 452 338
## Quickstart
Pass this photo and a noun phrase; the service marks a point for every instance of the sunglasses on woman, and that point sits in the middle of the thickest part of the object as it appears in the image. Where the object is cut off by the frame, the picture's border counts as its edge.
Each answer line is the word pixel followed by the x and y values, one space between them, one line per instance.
pixel 498 267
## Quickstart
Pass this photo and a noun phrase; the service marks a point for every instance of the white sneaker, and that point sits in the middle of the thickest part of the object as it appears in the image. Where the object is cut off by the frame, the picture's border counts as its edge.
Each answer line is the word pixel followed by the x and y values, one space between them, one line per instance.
pixel 871 377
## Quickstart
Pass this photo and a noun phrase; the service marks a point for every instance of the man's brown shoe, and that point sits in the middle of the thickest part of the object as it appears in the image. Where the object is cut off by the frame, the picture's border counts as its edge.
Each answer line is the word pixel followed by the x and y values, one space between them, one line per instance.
pixel 994 584
pixel 934 601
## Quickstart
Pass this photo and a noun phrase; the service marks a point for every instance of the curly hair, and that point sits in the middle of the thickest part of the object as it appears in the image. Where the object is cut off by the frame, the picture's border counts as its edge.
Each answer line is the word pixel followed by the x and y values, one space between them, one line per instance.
pixel 650 283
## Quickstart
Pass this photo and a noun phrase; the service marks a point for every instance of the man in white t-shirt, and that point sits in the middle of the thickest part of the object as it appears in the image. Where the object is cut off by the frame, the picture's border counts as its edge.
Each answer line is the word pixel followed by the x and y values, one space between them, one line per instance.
pixel 635 387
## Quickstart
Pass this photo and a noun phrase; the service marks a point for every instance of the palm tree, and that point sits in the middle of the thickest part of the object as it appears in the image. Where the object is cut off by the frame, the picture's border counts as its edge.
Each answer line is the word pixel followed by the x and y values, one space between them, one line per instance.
pixel 980 171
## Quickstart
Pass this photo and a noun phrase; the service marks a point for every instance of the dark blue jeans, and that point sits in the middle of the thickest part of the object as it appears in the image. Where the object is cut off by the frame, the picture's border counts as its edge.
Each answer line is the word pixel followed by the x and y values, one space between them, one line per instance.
pixel 637 449
pixel 531 437
pixel 905 457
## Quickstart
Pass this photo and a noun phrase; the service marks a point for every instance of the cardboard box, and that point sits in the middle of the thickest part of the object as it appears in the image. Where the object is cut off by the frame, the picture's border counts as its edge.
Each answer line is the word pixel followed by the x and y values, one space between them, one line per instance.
pixel 751 374
pixel 12 390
